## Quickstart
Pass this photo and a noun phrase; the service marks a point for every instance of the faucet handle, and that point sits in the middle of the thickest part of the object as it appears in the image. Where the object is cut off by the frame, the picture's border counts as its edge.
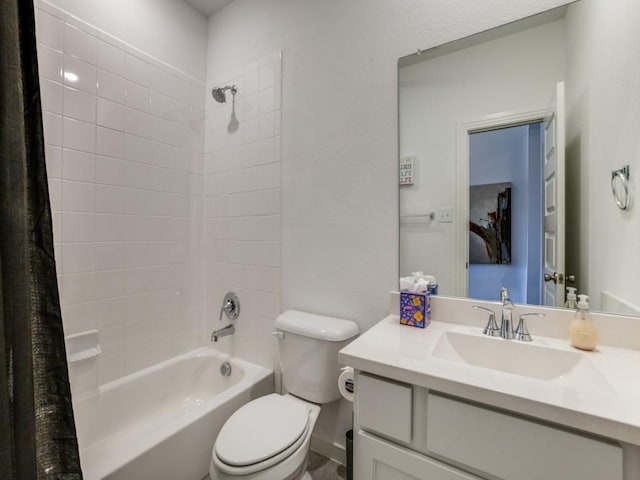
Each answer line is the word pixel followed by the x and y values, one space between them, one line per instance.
pixel 522 332
pixel 230 306
pixel 491 329
pixel 226 307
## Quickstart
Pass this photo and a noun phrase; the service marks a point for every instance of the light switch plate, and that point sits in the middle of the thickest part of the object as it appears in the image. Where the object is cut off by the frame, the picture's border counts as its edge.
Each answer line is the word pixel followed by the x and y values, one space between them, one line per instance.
pixel 445 215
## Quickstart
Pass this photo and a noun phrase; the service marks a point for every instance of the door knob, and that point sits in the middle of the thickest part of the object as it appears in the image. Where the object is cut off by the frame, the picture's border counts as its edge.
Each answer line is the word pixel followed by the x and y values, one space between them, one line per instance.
pixel 557 278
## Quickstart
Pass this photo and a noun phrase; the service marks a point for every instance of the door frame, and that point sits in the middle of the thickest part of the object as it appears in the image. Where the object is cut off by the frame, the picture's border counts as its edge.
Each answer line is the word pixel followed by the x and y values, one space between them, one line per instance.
pixel 463 130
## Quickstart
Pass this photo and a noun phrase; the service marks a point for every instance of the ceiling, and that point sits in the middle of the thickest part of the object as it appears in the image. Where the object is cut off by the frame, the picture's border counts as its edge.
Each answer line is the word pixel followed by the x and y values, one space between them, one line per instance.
pixel 208 7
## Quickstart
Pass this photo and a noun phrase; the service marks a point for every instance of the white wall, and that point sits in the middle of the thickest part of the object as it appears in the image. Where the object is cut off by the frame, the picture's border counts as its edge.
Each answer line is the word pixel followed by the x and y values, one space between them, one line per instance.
pixel 517 73
pixel 125 156
pixel 168 30
pixel 339 136
pixel 603 91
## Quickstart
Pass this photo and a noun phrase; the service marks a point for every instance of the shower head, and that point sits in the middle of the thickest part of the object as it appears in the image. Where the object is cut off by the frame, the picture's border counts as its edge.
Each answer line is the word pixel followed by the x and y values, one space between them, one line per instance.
pixel 219 95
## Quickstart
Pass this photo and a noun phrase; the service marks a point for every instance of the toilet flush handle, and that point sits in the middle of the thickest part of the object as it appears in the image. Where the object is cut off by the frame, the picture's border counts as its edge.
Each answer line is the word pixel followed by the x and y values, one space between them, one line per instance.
pixel 278 335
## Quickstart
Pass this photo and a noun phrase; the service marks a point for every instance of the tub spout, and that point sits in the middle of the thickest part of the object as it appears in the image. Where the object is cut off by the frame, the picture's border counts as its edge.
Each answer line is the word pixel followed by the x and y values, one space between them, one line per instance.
pixel 222 332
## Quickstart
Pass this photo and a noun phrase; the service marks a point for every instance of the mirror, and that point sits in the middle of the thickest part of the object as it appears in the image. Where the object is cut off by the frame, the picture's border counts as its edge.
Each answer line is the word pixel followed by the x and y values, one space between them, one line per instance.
pixel 455 104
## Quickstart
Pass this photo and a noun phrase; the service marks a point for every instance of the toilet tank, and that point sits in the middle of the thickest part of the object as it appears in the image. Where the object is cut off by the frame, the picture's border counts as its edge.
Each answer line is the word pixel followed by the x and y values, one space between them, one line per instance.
pixel 308 351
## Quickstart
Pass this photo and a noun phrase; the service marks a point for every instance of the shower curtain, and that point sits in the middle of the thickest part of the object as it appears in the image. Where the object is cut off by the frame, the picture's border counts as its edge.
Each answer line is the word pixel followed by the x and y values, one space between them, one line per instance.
pixel 37 430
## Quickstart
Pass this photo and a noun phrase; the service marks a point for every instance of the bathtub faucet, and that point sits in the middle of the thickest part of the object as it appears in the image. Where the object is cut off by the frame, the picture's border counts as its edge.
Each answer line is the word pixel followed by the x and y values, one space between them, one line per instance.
pixel 222 332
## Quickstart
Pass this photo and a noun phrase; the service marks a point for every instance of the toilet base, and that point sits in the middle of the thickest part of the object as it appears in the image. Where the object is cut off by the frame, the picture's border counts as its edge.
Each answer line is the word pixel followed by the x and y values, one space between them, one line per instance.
pixel 306 476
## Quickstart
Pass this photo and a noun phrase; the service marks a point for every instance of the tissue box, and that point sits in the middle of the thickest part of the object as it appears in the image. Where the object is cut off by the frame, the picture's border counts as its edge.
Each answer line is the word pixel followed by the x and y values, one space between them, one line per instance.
pixel 415 309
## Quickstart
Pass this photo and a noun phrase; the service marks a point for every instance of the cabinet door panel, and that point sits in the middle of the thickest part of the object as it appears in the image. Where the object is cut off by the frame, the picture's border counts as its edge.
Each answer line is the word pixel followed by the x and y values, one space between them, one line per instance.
pixel 513 448
pixel 376 459
pixel 384 407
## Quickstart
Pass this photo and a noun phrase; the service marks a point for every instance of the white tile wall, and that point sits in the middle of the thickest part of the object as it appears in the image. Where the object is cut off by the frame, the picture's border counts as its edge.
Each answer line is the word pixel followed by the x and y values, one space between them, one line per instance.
pixel 242 207
pixel 125 158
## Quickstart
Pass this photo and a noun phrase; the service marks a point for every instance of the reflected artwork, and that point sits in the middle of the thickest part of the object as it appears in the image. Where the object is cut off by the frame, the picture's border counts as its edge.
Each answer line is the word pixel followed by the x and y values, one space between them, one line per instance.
pixel 490 224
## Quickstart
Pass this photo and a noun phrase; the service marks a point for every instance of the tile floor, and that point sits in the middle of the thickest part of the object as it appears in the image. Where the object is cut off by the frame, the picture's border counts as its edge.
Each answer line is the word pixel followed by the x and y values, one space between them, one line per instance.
pixel 323 468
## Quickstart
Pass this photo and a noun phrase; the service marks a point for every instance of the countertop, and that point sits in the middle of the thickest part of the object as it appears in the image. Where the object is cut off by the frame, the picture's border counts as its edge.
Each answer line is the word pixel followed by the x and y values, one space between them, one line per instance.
pixel 608 407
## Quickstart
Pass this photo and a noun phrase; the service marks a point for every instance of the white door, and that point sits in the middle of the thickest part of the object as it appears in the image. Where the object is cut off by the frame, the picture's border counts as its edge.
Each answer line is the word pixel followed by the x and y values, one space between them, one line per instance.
pixel 554 182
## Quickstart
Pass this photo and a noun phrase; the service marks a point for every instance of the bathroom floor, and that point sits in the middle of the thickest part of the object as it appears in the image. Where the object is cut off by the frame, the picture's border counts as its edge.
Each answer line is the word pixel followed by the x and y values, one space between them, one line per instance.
pixel 323 468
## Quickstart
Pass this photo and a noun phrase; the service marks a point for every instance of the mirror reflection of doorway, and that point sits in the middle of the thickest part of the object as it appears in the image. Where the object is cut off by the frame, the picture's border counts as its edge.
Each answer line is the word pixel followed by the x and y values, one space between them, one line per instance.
pixel 510 157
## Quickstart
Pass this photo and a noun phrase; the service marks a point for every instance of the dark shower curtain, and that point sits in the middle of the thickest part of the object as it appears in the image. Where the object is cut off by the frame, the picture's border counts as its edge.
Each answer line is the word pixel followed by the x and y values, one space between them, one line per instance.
pixel 37 430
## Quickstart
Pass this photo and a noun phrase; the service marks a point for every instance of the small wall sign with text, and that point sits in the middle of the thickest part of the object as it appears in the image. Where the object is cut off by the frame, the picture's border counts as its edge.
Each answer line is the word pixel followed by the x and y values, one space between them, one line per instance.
pixel 406 170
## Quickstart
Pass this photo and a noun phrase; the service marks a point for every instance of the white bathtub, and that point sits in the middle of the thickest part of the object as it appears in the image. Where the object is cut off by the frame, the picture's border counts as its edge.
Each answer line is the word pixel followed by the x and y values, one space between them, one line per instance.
pixel 160 423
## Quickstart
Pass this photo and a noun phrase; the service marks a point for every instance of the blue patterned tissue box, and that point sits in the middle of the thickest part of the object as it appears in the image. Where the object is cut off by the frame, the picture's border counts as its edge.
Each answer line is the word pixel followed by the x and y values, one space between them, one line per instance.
pixel 415 309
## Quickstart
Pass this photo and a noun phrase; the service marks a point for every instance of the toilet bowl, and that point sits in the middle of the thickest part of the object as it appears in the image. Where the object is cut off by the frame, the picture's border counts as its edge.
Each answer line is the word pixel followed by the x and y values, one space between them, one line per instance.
pixel 269 438
pixel 266 439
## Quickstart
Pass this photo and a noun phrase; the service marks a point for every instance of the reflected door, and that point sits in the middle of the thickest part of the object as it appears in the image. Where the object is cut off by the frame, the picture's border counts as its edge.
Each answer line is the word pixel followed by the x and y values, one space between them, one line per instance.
pixel 554 186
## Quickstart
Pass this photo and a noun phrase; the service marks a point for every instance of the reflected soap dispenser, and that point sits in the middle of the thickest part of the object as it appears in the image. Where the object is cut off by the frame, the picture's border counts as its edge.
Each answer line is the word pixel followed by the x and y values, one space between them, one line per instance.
pixel 582 331
pixel 571 299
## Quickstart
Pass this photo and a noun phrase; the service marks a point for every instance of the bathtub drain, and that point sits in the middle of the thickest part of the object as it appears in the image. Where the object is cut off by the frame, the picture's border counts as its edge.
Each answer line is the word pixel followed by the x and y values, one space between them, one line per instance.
pixel 225 369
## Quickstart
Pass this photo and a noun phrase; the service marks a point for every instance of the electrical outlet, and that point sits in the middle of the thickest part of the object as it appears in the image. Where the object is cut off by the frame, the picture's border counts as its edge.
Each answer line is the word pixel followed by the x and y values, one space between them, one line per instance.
pixel 445 215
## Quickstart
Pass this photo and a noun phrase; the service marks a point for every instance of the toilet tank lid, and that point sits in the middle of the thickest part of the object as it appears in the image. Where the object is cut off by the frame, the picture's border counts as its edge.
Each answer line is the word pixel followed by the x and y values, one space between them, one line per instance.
pixel 316 326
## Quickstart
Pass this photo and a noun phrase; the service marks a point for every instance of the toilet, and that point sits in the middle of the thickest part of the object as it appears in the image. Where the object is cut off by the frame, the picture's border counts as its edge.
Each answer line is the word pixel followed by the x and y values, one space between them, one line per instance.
pixel 269 438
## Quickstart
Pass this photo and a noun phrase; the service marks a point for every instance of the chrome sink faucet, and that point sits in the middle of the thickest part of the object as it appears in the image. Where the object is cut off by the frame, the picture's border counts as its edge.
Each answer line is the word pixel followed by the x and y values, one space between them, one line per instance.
pixel 506 328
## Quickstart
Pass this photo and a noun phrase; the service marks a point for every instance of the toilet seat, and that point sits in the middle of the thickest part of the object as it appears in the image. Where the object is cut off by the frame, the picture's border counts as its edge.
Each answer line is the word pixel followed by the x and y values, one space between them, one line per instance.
pixel 260 434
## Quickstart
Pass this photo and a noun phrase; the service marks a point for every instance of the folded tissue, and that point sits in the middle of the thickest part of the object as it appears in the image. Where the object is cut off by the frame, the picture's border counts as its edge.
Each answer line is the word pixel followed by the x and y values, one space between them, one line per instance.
pixel 415 299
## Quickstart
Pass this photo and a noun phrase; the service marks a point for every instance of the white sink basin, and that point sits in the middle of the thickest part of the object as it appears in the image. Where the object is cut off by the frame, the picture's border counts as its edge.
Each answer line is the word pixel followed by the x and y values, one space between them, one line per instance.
pixel 520 358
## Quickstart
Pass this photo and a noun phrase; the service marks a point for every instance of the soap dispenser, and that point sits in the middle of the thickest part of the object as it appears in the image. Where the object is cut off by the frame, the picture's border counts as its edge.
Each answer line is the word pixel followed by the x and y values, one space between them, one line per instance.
pixel 571 299
pixel 582 331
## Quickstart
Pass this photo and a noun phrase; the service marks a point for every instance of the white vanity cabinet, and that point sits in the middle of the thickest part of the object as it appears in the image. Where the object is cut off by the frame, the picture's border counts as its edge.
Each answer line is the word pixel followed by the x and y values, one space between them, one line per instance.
pixel 407 432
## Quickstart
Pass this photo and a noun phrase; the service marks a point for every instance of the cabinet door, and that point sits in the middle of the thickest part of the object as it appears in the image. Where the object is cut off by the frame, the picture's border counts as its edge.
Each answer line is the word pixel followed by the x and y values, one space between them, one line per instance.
pixel 512 448
pixel 372 406
pixel 377 459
